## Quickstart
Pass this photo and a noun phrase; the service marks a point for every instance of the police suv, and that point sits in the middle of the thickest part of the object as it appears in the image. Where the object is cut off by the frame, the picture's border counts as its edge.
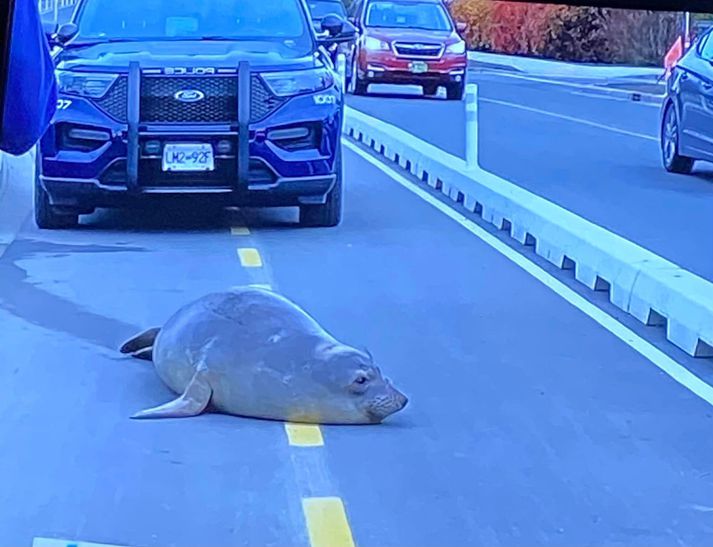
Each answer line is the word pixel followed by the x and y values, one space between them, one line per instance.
pixel 238 100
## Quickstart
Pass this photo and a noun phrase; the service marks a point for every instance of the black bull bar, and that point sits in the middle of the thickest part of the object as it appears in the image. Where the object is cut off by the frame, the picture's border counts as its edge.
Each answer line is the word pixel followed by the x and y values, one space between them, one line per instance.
pixel 134 119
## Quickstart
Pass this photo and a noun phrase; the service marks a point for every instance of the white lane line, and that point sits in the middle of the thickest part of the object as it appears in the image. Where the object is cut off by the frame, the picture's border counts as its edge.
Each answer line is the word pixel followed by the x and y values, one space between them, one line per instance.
pixel 675 370
pixel 52 542
pixel 572 119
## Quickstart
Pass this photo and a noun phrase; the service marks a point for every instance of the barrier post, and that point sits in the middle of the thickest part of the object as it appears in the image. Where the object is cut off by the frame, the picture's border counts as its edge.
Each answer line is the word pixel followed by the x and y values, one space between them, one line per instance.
pixel 471 126
pixel 342 70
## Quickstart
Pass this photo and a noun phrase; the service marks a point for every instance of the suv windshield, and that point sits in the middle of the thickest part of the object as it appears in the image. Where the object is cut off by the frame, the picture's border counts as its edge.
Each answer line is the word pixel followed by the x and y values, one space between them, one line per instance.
pixel 706 47
pixel 279 20
pixel 320 9
pixel 415 15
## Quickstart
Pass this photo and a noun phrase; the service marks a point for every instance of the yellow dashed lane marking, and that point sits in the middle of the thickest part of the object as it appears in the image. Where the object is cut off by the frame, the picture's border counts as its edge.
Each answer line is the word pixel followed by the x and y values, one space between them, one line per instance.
pixel 249 257
pixel 327 522
pixel 240 231
pixel 304 434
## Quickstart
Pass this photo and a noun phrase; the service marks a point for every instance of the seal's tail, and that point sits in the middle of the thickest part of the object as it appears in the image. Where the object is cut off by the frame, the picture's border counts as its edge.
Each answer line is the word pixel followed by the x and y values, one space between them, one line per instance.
pixel 140 342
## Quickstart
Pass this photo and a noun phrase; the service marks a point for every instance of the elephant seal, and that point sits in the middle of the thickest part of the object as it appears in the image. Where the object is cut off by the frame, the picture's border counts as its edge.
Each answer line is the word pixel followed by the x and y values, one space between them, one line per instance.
pixel 251 352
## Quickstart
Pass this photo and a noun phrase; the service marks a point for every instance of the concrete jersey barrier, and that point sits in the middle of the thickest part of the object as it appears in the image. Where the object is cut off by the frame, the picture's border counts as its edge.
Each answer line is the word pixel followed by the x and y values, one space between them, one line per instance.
pixel 643 284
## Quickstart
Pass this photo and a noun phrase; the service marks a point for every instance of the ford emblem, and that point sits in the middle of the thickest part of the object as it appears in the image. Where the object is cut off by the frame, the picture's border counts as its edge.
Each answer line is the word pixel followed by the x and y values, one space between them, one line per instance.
pixel 189 96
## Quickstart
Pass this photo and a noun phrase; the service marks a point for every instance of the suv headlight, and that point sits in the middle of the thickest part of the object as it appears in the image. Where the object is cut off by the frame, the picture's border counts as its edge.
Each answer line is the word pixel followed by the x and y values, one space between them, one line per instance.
pixel 85 84
pixel 284 84
pixel 457 49
pixel 374 44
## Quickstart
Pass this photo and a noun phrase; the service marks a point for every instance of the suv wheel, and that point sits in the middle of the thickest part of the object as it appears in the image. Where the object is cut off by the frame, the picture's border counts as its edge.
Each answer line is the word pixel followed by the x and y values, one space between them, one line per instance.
pixel 672 160
pixel 357 86
pixel 329 213
pixel 47 216
pixel 454 92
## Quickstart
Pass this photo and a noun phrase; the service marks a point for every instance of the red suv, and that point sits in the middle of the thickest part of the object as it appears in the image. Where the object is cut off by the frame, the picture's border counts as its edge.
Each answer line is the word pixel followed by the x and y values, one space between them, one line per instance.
pixel 407 42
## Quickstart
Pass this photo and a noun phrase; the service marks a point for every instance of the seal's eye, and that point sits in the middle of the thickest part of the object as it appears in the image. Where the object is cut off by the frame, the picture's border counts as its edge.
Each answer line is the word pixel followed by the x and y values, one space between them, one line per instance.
pixel 360 384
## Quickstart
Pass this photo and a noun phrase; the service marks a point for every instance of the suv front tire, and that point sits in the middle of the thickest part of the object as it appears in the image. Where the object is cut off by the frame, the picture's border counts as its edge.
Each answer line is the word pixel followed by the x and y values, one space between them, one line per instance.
pixel 454 92
pixel 328 214
pixel 46 216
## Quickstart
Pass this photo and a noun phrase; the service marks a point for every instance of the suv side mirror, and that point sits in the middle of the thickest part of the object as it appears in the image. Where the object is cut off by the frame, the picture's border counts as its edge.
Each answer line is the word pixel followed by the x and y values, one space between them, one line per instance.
pixel 461 26
pixel 332 25
pixel 50 30
pixel 337 30
pixel 66 32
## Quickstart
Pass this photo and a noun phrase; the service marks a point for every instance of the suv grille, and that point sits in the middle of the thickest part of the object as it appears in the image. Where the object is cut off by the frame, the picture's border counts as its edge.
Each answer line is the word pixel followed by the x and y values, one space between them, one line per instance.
pixel 262 101
pixel 413 49
pixel 220 105
pixel 115 102
pixel 158 104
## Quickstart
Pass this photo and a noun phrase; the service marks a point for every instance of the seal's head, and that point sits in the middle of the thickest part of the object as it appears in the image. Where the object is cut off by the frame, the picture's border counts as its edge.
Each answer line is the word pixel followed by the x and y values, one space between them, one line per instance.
pixel 356 392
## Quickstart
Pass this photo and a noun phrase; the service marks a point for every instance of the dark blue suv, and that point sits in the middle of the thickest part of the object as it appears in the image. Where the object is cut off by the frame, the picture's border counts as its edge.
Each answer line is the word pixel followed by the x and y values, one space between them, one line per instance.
pixel 238 100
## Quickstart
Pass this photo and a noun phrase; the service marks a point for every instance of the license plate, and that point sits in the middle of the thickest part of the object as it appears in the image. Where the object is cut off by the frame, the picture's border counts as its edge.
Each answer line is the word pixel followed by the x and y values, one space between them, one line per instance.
pixel 419 67
pixel 188 157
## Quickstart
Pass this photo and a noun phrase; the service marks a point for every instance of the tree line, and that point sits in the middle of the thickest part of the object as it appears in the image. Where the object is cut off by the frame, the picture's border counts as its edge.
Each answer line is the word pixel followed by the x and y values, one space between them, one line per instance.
pixel 568 33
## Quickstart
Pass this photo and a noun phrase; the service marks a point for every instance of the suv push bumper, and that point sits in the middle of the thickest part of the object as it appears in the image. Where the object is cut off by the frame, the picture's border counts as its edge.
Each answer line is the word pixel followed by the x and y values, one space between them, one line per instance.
pixel 86 194
pixel 253 171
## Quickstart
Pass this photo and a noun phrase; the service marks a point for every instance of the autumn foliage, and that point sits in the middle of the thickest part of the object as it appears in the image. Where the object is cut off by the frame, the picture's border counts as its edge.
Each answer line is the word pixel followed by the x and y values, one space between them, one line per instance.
pixel 568 33
pixel 518 27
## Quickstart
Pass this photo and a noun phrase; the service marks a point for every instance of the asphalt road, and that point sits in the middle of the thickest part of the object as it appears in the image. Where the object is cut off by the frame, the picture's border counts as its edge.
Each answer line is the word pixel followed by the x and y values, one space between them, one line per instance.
pixel 529 424
pixel 598 157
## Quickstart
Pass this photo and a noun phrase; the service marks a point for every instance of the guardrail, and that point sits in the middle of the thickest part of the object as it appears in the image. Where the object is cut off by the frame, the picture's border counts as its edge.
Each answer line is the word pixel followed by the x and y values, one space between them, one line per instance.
pixel 650 288
pixel 53 6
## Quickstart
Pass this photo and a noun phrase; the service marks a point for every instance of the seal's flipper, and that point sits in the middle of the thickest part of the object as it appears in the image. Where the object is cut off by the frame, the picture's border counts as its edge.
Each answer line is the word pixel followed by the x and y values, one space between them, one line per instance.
pixel 140 341
pixel 193 401
pixel 146 354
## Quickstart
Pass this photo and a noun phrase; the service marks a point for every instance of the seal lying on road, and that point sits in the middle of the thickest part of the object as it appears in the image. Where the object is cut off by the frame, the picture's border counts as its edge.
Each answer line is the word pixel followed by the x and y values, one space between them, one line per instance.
pixel 251 352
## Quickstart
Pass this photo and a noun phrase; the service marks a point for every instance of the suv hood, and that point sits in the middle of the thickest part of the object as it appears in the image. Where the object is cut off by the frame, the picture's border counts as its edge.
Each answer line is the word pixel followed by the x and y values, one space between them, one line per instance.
pixel 413 35
pixel 115 57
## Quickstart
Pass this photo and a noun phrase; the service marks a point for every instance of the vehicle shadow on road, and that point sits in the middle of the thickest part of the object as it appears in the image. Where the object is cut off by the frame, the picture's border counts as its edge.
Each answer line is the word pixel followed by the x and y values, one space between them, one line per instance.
pixel 209 219
pixel 162 218
pixel 274 217
pixel 703 173
pixel 402 95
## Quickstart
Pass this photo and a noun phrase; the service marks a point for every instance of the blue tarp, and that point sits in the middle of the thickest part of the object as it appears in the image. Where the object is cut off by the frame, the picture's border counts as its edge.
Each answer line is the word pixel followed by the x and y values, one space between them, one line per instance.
pixel 31 94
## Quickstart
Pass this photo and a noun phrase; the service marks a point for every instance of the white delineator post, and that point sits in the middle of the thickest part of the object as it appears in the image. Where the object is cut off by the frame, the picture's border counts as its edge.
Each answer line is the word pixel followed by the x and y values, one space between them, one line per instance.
pixel 471 125
pixel 342 69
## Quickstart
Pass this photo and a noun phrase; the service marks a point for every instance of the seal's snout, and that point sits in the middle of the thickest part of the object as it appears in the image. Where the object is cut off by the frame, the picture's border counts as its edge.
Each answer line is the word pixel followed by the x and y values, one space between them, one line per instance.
pixel 401 400
pixel 389 402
